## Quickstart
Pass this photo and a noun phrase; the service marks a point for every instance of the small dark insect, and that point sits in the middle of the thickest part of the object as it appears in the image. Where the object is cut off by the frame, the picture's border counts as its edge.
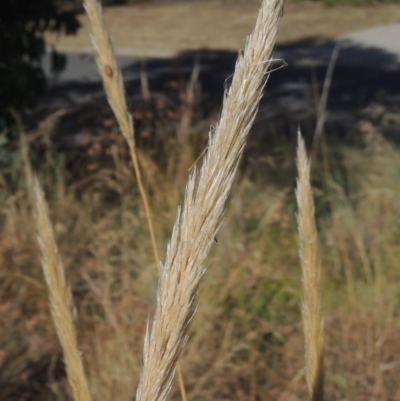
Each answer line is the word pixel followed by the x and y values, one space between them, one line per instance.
pixel 215 239
pixel 108 70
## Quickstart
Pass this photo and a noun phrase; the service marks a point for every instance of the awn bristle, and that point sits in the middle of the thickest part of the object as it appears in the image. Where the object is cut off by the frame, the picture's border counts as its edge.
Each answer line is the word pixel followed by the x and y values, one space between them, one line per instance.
pixel 199 218
pixel 109 69
pixel 311 277
pixel 60 298
pixel 114 87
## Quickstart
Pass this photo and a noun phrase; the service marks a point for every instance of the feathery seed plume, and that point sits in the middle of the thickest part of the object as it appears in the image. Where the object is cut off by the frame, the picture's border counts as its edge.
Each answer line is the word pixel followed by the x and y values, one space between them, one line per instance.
pixel 199 218
pixel 311 277
pixel 60 298
pixel 114 87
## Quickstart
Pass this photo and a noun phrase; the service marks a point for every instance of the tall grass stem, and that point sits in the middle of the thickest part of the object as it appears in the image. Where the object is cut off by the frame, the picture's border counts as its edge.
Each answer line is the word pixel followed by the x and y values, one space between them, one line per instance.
pixel 323 103
pixel 114 88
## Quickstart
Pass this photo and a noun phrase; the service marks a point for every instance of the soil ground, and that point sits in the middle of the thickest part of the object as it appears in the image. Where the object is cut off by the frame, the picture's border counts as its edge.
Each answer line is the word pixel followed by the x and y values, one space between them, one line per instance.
pixel 190 26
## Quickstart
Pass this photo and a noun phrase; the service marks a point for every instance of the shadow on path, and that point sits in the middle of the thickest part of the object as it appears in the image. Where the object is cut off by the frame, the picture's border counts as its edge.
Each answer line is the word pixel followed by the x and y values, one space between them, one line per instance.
pixel 361 74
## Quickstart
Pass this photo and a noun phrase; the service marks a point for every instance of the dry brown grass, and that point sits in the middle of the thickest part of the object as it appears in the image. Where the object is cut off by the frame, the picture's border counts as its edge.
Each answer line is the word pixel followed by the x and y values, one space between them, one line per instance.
pixel 246 341
pixel 181 26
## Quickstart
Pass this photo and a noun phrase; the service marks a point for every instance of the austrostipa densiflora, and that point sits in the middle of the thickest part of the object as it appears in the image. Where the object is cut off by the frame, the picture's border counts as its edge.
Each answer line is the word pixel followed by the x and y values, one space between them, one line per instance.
pixel 200 215
pixel 60 297
pixel 114 87
pixel 311 277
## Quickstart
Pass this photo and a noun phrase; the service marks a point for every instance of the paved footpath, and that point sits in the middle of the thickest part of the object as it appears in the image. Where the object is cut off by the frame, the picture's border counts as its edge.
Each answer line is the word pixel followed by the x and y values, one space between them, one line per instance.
pixel 368 64
pixel 379 46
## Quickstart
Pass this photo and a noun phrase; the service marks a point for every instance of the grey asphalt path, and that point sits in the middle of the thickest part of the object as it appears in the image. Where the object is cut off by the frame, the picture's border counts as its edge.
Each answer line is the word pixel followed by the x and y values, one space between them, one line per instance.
pixel 386 38
pixel 368 65
pixel 379 47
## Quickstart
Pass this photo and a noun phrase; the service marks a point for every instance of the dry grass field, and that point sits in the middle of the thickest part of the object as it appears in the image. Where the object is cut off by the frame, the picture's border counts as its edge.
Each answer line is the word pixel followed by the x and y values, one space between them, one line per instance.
pixel 189 26
pixel 246 341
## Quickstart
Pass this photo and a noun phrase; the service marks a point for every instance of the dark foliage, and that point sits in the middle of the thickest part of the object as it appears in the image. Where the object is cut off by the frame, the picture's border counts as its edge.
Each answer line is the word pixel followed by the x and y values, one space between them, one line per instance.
pixel 22 25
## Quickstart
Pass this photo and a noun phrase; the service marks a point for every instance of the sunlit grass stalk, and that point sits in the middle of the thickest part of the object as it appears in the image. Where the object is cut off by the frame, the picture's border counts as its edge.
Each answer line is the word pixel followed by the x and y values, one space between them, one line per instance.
pixel 311 277
pixel 114 88
pixel 200 216
pixel 60 298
